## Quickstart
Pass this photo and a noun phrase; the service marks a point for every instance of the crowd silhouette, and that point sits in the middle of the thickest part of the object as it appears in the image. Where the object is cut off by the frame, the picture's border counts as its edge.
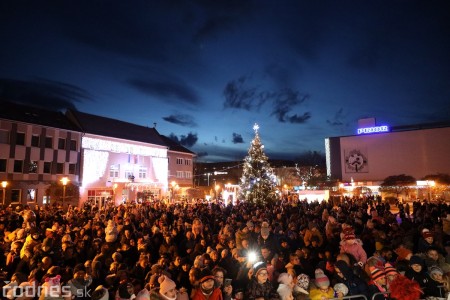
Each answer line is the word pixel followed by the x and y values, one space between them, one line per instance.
pixel 206 250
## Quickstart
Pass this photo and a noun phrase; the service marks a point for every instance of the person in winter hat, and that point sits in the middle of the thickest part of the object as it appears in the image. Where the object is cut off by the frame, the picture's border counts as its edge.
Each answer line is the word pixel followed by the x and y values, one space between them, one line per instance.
pixel 391 274
pixel 356 285
pixel 51 288
pixel 418 273
pixel 80 282
pixel 439 284
pixel 350 244
pixel 377 284
pixel 340 290
pixel 301 287
pixel 207 289
pixel 167 289
pixel 322 287
pixel 286 286
pixel 259 285
pixel 111 232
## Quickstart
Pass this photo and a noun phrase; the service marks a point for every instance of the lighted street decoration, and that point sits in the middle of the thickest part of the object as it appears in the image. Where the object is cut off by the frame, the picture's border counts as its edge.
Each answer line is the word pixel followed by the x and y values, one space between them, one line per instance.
pixel 375 129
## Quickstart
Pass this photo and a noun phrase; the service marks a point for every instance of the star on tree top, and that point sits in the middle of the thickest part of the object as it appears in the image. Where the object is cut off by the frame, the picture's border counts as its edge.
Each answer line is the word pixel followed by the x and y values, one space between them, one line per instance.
pixel 256 127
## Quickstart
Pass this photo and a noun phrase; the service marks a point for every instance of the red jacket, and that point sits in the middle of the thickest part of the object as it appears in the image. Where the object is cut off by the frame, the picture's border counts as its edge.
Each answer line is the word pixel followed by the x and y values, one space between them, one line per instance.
pixel 215 295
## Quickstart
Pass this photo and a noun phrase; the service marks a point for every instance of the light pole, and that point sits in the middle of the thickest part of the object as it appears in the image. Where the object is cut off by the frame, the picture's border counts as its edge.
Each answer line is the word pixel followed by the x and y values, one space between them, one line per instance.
pixel 4 184
pixel 64 181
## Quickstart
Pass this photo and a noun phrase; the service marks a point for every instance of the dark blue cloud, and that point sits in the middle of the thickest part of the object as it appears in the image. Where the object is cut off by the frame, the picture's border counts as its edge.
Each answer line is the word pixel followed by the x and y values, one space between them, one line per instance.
pixel 188 140
pixel 284 102
pixel 181 119
pixel 237 138
pixel 338 118
pixel 43 93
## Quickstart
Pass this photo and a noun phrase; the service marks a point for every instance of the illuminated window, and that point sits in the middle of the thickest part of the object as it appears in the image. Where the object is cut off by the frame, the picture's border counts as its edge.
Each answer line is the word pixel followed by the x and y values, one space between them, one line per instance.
pixel 187 162
pixel 142 172
pixel 31 195
pixel 35 141
pixel 20 138
pixel 180 174
pixel 2 165
pixel 4 137
pixel 61 144
pixel 48 142
pixel 179 161
pixel 33 167
pixel 47 167
pixel 114 171
pixel 187 174
pixel 18 166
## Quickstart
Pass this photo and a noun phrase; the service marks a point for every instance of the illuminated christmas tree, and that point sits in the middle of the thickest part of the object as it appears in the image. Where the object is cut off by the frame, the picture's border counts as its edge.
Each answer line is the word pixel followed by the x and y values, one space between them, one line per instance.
pixel 258 180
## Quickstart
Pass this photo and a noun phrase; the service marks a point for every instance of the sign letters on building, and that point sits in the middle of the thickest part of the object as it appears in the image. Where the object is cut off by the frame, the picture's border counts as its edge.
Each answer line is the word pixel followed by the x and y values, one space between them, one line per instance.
pixel 374 129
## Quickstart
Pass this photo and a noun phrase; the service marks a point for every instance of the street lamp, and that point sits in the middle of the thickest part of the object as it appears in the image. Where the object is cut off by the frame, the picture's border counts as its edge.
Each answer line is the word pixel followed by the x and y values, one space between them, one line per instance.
pixel 64 181
pixel 4 184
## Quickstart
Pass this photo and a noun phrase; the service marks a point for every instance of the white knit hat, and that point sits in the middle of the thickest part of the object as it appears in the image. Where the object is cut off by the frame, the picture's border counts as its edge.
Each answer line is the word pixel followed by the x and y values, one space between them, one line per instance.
pixel 165 284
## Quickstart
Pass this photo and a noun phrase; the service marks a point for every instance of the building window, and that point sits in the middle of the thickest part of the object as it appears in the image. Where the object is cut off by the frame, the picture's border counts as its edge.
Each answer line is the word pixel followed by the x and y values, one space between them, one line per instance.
pixel 35 141
pixel 16 195
pixel 4 137
pixel 142 172
pixel 187 174
pixel 72 168
pixel 180 174
pixel 31 195
pixel 47 167
pixel 114 171
pixel 129 175
pixel 2 165
pixel 46 200
pixel 20 138
pixel 61 144
pixel 179 161
pixel 48 142
pixel 73 145
pixel 59 168
pixel 33 167
pixel 18 166
pixel 187 162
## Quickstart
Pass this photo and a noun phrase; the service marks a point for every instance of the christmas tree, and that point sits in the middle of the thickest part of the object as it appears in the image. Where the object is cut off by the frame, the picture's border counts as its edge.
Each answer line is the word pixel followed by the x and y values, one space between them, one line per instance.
pixel 258 180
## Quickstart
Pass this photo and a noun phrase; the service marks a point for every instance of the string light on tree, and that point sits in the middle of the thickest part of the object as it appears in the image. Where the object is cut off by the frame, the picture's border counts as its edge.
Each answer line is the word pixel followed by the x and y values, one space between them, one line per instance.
pixel 258 182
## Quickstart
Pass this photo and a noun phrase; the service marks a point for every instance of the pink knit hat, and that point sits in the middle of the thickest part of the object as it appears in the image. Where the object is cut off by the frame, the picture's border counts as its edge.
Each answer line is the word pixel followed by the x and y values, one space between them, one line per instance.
pixel 322 280
pixel 165 284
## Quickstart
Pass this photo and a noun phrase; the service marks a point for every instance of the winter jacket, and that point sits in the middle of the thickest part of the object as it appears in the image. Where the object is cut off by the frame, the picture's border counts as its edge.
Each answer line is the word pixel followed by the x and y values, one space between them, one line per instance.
pixel 356 285
pixel 216 295
pixel 256 290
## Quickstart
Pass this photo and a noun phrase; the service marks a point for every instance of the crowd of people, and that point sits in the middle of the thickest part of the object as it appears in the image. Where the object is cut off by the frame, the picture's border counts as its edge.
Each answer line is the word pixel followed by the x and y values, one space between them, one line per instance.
pixel 283 250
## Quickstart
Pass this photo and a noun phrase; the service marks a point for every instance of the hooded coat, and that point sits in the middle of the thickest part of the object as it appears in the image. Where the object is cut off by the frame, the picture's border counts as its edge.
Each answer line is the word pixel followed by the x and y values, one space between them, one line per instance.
pixel 356 285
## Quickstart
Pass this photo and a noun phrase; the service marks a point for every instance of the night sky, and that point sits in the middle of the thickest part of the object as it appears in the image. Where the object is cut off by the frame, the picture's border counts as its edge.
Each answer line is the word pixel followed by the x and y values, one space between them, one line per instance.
pixel 206 70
